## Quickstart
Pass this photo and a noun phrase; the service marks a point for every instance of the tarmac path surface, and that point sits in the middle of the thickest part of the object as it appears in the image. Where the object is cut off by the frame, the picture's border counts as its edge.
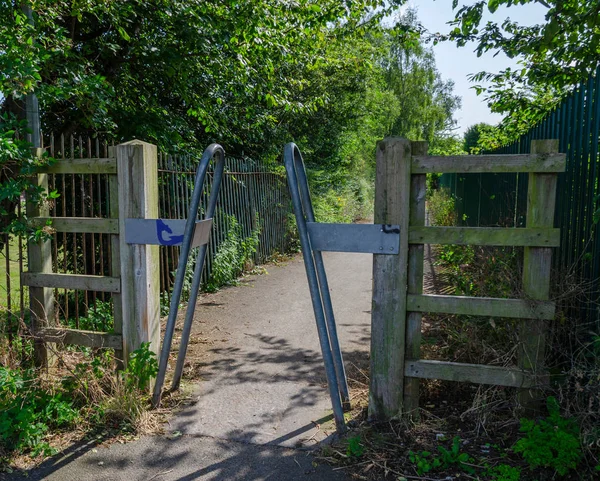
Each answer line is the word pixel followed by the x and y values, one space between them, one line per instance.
pixel 261 403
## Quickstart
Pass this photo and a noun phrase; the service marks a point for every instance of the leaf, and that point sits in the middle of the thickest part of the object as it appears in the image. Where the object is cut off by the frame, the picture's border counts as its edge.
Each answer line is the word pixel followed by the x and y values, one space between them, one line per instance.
pixel 493 5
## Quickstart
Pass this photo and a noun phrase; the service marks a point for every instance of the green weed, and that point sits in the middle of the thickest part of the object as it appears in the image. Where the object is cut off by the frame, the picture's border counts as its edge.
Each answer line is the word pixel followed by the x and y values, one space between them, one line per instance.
pixel 504 472
pixel 28 411
pixel 141 368
pixel 424 462
pixel 233 254
pixel 355 449
pixel 552 442
pixel 99 317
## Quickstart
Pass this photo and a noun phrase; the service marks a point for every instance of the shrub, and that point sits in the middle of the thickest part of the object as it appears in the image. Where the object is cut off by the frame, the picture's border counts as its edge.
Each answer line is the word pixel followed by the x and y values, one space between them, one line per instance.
pixel 552 442
pixel 28 411
pixel 233 254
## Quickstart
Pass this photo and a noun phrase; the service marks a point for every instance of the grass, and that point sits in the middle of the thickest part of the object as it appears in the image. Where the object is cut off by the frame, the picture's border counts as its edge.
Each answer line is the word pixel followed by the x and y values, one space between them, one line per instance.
pixel 13 273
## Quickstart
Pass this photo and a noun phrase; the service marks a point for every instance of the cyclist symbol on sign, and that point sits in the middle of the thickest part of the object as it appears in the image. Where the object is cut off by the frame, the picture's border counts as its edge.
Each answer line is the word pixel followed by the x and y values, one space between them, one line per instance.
pixel 172 240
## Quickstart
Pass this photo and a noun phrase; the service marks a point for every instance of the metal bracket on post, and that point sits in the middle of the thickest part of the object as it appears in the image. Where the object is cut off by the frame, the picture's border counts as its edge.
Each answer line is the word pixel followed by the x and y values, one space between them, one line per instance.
pixel 188 233
pixel 315 238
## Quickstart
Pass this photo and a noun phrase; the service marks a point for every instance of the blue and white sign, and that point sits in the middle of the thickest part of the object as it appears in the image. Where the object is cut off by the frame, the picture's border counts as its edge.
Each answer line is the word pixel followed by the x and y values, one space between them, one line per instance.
pixel 165 232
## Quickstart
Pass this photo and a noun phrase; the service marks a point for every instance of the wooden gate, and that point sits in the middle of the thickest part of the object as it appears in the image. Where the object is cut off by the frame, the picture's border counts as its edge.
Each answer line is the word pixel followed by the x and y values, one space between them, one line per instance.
pixel 398 299
pixel 133 281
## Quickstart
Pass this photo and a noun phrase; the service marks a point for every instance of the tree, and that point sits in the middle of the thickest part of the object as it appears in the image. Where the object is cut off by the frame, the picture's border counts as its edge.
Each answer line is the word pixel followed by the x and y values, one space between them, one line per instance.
pixel 179 73
pixel 427 102
pixel 554 56
pixel 472 136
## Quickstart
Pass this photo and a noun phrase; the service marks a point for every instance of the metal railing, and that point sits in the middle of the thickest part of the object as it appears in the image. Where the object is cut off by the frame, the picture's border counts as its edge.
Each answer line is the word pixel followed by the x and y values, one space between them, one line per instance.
pixel 252 192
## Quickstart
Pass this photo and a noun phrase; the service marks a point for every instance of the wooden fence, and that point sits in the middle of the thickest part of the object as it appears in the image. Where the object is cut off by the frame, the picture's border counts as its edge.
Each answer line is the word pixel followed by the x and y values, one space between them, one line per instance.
pixel 251 191
pixel 398 299
pixel 575 122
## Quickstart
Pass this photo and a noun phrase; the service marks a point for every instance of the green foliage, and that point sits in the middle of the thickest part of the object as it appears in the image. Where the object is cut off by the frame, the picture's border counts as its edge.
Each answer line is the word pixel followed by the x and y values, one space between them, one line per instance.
pixel 99 317
pixel 28 411
pixel 425 461
pixel 554 56
pixel 17 164
pixel 441 206
pixel 232 255
pixel 504 472
pixel 426 101
pixel 474 137
pixel 355 448
pixel 552 442
pixel 453 456
pixel 142 366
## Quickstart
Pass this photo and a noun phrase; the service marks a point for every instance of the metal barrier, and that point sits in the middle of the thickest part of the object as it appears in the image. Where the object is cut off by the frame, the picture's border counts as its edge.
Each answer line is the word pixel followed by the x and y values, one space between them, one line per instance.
pixel 191 237
pixel 315 238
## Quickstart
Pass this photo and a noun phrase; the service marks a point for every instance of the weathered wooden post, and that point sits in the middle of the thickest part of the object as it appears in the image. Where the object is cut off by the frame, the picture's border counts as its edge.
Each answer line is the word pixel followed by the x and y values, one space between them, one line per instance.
pixel 418 189
pixel 388 318
pixel 39 260
pixel 541 199
pixel 140 281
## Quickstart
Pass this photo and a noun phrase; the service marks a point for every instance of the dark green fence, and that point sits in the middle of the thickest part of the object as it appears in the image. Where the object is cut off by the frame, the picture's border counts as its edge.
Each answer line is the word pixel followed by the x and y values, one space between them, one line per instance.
pixel 485 199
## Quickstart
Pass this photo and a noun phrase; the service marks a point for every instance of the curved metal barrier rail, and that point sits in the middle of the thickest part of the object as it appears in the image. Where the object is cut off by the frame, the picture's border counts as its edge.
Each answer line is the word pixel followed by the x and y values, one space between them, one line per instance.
pixel 190 237
pixel 315 238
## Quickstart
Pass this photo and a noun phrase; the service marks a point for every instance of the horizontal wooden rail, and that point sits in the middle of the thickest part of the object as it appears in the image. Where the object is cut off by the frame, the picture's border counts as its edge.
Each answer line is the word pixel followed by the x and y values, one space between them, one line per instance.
pixel 72 281
pixel 78 337
pixel 81 166
pixel 90 225
pixel 481 306
pixel 475 373
pixel 489 163
pixel 485 236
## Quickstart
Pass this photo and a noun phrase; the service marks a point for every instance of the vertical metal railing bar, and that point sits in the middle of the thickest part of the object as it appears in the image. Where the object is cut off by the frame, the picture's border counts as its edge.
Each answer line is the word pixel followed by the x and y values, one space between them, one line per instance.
pixel 104 243
pixel 579 166
pixel 584 224
pixel 83 235
pixel 571 175
pixel 593 191
pixel 564 145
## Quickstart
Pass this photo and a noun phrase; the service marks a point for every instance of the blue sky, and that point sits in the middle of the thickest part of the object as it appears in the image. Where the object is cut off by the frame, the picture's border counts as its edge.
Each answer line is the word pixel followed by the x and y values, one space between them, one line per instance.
pixel 456 63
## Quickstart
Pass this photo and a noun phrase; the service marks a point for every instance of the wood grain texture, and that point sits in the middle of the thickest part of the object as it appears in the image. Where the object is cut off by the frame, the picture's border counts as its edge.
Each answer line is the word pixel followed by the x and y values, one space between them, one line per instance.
pixel 78 337
pixel 475 373
pixel 388 318
pixel 93 225
pixel 505 163
pixel 138 199
pixel 39 258
pixel 481 306
pixel 71 281
pixel 485 236
pixel 115 263
pixel 81 166
pixel 537 262
pixel 418 192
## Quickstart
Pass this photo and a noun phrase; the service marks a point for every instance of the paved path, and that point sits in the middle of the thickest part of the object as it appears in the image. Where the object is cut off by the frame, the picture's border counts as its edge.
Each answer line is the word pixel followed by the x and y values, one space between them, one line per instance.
pixel 262 400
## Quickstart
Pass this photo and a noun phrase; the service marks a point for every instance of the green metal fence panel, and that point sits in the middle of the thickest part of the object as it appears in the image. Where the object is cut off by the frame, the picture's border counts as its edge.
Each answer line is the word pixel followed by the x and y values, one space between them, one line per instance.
pixel 576 123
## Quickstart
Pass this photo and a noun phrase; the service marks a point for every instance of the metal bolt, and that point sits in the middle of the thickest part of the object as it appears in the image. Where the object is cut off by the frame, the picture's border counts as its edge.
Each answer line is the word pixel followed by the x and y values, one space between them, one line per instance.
pixel 380 248
pixel 391 248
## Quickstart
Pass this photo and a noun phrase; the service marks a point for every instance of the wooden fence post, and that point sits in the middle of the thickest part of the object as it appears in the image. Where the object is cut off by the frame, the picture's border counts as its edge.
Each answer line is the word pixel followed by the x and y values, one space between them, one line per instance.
pixel 541 198
pixel 137 168
pixel 39 259
pixel 418 188
pixel 388 318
